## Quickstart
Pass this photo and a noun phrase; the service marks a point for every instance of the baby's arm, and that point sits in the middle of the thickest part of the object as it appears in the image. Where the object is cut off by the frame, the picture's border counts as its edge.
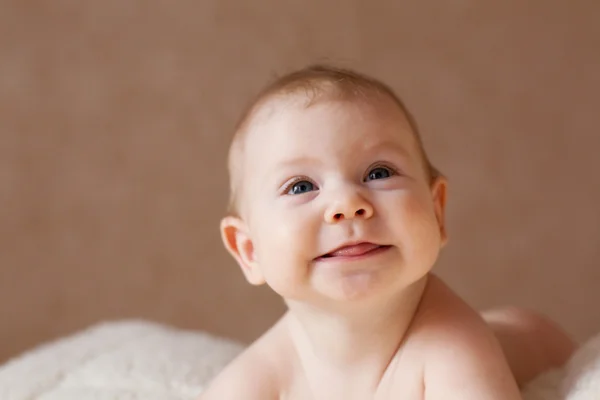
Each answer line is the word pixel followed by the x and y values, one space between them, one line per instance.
pixel 466 362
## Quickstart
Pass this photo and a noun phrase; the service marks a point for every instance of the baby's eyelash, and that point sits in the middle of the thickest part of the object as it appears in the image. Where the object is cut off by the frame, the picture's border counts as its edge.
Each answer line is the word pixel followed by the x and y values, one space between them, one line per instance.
pixel 289 184
pixel 392 169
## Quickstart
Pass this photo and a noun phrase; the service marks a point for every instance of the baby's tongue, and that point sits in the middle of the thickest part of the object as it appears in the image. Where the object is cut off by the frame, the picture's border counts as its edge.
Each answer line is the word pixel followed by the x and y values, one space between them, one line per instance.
pixel 355 250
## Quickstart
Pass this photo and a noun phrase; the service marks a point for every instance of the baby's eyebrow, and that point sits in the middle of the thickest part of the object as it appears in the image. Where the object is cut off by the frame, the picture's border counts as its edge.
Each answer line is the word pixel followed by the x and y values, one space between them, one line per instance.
pixel 389 146
pixel 296 161
pixel 282 167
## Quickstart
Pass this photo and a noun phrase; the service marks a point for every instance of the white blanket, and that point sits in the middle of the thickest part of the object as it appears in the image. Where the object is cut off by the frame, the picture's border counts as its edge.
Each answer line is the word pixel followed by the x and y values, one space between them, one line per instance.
pixel 133 360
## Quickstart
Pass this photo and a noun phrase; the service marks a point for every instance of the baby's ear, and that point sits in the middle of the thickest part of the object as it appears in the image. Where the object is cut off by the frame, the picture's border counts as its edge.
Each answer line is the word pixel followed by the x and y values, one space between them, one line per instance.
pixel 236 238
pixel 439 192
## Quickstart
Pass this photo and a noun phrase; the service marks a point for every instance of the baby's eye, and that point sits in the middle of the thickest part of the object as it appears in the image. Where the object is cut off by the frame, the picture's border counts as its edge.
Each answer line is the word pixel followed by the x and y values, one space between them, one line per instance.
pixel 301 187
pixel 379 173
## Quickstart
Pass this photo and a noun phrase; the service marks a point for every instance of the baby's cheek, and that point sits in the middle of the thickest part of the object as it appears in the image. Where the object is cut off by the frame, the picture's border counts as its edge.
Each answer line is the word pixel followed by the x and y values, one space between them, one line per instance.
pixel 416 204
pixel 421 226
pixel 283 251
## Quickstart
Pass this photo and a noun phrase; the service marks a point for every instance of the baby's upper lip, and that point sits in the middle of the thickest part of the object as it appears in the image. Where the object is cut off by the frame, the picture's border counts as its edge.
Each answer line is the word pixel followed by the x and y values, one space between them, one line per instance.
pixel 351 248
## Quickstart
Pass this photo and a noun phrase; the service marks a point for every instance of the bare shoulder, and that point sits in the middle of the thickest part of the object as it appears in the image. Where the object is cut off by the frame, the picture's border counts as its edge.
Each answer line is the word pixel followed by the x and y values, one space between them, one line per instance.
pixel 256 374
pixel 442 315
pixel 462 357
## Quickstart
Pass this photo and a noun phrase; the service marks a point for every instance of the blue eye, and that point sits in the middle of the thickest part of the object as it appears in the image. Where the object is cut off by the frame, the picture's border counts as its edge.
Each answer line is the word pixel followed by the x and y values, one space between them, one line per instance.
pixel 301 187
pixel 379 173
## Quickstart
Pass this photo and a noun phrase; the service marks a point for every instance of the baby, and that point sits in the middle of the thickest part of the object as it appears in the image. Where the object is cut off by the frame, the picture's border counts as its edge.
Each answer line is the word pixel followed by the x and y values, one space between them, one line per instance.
pixel 336 206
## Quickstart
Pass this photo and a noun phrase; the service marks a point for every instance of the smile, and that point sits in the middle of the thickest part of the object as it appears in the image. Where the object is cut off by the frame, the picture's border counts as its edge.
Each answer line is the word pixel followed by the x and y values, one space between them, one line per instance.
pixel 354 252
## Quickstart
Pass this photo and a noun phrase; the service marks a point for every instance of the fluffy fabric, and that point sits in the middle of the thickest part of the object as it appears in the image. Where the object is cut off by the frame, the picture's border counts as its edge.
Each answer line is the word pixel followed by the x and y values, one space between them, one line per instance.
pixel 578 380
pixel 133 360
pixel 127 360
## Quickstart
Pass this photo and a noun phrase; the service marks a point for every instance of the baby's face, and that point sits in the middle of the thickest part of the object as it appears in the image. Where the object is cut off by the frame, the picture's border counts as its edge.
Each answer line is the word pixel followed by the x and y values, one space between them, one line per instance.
pixel 338 205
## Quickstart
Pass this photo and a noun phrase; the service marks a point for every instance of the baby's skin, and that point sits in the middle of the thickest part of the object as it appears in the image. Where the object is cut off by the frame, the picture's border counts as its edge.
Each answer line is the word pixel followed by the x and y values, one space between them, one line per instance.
pixel 340 216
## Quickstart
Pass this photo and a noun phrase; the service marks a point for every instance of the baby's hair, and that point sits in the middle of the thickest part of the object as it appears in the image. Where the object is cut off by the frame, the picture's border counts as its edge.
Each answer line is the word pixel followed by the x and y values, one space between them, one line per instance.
pixel 316 82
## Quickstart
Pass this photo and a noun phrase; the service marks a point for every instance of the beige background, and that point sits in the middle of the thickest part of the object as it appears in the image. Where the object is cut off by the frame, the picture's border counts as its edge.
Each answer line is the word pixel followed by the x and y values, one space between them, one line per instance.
pixel 115 118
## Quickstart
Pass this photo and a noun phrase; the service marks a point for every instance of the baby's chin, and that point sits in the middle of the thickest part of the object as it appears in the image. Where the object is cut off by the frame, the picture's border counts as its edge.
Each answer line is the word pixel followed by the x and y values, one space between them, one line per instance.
pixel 357 286
pixel 351 286
pixel 334 290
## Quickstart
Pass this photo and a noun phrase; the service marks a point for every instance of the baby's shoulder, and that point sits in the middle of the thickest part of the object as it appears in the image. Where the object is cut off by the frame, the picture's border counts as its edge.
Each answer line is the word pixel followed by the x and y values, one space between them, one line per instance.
pixel 456 346
pixel 443 317
pixel 441 321
pixel 258 373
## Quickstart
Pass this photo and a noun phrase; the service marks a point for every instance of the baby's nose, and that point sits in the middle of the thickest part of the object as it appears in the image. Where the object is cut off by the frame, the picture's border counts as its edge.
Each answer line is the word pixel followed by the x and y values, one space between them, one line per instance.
pixel 349 207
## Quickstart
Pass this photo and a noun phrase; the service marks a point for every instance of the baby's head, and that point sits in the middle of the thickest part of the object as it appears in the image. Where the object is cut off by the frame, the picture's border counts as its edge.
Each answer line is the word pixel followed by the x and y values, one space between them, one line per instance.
pixel 332 194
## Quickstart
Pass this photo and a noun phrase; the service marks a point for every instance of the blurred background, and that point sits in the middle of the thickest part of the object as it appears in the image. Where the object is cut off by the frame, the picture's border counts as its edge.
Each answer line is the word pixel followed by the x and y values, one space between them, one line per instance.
pixel 115 117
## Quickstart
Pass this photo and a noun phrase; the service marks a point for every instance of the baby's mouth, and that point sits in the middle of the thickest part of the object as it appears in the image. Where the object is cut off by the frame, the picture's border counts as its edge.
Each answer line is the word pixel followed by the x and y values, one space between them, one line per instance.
pixel 353 250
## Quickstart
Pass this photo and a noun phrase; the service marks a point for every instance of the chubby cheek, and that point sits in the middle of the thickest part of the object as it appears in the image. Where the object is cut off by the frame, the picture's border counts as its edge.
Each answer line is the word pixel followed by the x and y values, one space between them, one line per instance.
pixel 285 245
pixel 418 229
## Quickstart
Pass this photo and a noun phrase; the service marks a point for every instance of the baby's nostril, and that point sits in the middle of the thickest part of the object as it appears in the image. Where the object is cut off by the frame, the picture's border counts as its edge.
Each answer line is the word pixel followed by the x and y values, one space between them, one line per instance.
pixel 337 216
pixel 360 212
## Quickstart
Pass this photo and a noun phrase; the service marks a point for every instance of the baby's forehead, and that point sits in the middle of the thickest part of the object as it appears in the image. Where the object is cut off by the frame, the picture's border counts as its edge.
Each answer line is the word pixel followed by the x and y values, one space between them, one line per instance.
pixel 288 136
pixel 282 117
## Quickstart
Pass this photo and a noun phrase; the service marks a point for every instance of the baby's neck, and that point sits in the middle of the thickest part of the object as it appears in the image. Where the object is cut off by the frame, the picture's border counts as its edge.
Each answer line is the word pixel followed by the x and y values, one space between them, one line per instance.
pixel 361 341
